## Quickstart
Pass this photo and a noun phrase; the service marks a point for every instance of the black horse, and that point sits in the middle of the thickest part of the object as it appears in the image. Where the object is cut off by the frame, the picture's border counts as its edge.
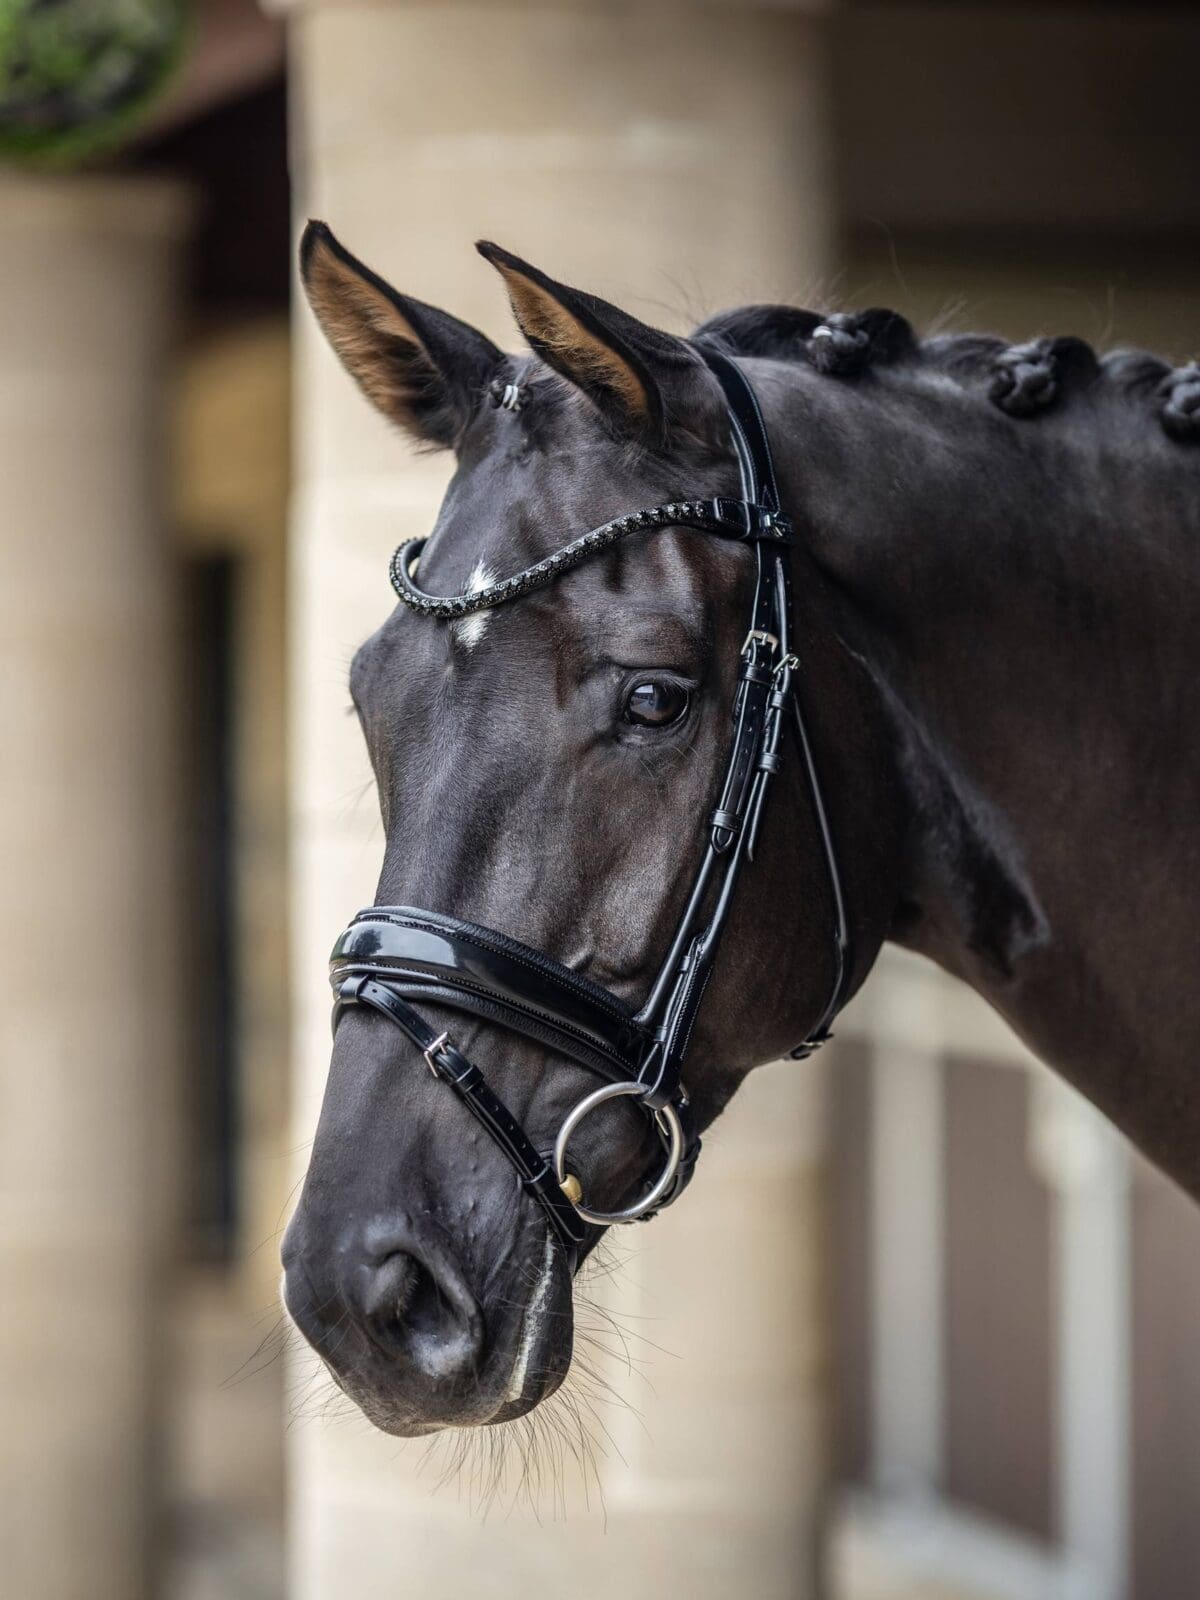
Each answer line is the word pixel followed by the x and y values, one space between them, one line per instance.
pixel 997 578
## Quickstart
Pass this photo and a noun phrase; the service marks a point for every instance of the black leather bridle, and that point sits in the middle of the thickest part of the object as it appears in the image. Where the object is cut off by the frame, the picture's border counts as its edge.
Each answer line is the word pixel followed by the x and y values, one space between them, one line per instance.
pixel 391 955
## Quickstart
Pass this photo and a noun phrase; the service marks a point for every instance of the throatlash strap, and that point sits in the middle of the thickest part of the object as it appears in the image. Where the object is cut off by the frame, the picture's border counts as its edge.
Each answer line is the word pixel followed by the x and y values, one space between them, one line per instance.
pixel 729 519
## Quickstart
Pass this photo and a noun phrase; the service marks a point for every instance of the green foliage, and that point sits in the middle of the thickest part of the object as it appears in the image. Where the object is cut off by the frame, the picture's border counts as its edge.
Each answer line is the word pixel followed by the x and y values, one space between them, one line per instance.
pixel 78 76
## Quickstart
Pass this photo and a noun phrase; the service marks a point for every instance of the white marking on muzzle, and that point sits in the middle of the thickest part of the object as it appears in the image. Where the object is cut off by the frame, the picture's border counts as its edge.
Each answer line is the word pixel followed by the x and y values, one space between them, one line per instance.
pixel 471 629
pixel 531 1326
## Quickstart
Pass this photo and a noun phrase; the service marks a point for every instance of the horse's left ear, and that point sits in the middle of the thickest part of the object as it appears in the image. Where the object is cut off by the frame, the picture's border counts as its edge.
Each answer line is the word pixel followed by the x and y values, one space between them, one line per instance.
pixel 637 375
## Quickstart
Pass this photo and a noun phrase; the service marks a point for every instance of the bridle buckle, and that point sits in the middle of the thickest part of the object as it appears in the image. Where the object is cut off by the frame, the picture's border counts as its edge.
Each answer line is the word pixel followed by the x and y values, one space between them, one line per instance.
pixel 759 636
pixel 431 1051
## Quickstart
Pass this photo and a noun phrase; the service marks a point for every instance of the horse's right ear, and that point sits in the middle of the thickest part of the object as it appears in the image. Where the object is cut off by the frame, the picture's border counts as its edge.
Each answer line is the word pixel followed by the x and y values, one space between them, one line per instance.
pixel 421 367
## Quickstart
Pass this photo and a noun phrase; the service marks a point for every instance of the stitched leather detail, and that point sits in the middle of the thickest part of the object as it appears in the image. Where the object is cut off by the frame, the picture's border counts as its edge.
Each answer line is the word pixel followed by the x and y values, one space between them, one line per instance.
pixel 551 1031
pixel 489 939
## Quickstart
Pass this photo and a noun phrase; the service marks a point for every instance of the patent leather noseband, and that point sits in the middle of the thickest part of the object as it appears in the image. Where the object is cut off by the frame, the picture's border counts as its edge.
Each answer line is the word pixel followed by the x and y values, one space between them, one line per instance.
pixel 392 956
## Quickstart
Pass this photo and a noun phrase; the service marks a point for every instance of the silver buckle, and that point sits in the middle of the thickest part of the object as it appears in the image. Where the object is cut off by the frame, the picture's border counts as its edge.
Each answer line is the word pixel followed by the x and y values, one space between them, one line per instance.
pixel 760 636
pixel 442 1039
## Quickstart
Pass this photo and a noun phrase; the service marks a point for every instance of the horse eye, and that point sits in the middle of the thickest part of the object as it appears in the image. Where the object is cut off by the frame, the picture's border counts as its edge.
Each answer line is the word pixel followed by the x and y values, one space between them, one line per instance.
pixel 654 704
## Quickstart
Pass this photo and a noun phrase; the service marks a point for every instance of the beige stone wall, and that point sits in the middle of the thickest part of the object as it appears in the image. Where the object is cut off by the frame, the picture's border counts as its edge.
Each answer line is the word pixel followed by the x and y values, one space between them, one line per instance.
pixel 671 157
pixel 87 1060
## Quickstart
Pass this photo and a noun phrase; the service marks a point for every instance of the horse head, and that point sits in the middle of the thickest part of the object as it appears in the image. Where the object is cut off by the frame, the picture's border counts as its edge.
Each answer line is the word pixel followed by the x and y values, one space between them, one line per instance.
pixel 553 775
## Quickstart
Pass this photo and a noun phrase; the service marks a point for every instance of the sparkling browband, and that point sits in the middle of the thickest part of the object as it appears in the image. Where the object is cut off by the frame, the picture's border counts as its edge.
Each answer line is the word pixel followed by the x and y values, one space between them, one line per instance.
pixel 732 519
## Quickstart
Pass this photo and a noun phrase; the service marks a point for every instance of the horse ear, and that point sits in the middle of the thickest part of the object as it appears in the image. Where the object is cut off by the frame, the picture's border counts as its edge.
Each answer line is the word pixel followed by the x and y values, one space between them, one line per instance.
pixel 421 367
pixel 627 368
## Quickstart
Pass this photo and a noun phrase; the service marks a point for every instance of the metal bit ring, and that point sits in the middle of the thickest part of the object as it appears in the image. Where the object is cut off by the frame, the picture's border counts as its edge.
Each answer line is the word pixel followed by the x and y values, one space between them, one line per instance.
pixel 669 1126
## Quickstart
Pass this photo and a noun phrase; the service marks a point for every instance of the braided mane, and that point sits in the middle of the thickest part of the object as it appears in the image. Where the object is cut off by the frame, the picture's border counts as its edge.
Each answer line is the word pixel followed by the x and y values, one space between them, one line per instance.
pixel 1022 380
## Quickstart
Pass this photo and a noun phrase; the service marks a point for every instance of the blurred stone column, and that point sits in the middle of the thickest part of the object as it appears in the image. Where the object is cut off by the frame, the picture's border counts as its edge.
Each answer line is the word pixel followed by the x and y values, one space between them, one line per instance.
pixel 87 270
pixel 671 157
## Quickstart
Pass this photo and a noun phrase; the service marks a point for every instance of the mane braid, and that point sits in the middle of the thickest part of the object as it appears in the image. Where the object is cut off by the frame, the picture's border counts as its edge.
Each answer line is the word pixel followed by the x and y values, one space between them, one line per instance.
pixel 840 343
pixel 1024 380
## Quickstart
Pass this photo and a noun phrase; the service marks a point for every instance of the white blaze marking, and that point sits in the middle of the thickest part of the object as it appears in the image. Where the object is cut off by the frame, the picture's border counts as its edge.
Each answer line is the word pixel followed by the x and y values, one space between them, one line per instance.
pixel 471 629
pixel 532 1324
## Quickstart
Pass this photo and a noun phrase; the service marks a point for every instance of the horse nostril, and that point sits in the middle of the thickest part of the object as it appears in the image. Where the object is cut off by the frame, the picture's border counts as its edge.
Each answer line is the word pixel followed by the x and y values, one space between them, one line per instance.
pixel 422 1308
pixel 387 1284
pixel 420 1312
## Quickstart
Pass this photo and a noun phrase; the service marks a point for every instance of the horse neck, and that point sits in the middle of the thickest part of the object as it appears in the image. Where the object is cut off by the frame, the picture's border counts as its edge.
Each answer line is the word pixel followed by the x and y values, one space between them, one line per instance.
pixel 1026 601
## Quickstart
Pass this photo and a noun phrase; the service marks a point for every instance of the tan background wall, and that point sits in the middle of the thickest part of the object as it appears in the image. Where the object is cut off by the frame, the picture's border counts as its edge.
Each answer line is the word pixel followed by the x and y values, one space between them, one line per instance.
pixel 1051 117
